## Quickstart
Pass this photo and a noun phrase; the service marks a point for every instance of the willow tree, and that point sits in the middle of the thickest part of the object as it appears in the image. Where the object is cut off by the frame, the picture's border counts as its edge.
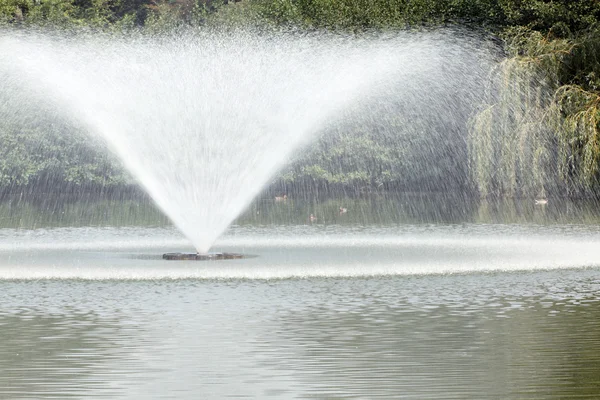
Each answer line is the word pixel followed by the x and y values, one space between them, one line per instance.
pixel 540 130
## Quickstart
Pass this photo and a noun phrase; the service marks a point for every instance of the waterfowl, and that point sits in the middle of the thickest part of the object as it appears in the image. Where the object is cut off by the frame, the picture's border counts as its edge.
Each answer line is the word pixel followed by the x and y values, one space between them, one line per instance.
pixel 343 210
pixel 541 201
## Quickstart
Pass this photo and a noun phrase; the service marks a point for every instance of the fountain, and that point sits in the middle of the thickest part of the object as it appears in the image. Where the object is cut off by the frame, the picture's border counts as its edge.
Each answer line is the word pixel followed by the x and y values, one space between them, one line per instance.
pixel 419 296
pixel 204 119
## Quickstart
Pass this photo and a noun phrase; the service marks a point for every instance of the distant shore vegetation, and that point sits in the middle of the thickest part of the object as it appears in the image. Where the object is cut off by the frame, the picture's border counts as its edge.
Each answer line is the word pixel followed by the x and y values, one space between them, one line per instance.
pixel 536 134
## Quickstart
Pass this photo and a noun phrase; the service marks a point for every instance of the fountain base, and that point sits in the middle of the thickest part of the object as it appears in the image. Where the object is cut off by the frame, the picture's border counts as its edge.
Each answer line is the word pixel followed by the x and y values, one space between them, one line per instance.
pixel 202 257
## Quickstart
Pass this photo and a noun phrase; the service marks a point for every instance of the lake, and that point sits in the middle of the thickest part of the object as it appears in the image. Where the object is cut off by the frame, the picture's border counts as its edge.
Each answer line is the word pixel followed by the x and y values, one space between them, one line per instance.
pixel 413 297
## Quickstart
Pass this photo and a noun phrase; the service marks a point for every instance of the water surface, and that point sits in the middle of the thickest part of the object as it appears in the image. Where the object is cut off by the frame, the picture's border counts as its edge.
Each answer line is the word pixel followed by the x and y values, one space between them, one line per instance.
pixel 475 304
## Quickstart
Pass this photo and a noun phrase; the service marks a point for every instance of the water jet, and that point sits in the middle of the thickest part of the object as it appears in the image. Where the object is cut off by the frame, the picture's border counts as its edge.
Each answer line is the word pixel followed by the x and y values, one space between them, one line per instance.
pixel 203 120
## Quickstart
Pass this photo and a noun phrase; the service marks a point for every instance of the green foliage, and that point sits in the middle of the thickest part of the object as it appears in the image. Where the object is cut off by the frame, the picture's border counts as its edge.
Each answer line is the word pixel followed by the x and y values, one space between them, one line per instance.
pixel 579 135
pixel 562 15
pixel 559 16
pixel 544 15
pixel 508 138
pixel 541 131
pixel 13 10
pixel 155 15
pixel 346 160
pixel 47 151
pixel 361 14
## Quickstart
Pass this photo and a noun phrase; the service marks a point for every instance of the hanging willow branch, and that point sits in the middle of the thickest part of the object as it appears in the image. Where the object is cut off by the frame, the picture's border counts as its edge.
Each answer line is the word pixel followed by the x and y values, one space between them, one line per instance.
pixel 580 133
pixel 540 130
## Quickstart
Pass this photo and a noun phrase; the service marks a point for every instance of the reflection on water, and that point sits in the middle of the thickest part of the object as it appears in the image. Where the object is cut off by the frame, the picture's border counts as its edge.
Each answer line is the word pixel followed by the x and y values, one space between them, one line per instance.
pixel 59 351
pixel 493 343
pixel 31 213
pixel 52 211
pixel 478 336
